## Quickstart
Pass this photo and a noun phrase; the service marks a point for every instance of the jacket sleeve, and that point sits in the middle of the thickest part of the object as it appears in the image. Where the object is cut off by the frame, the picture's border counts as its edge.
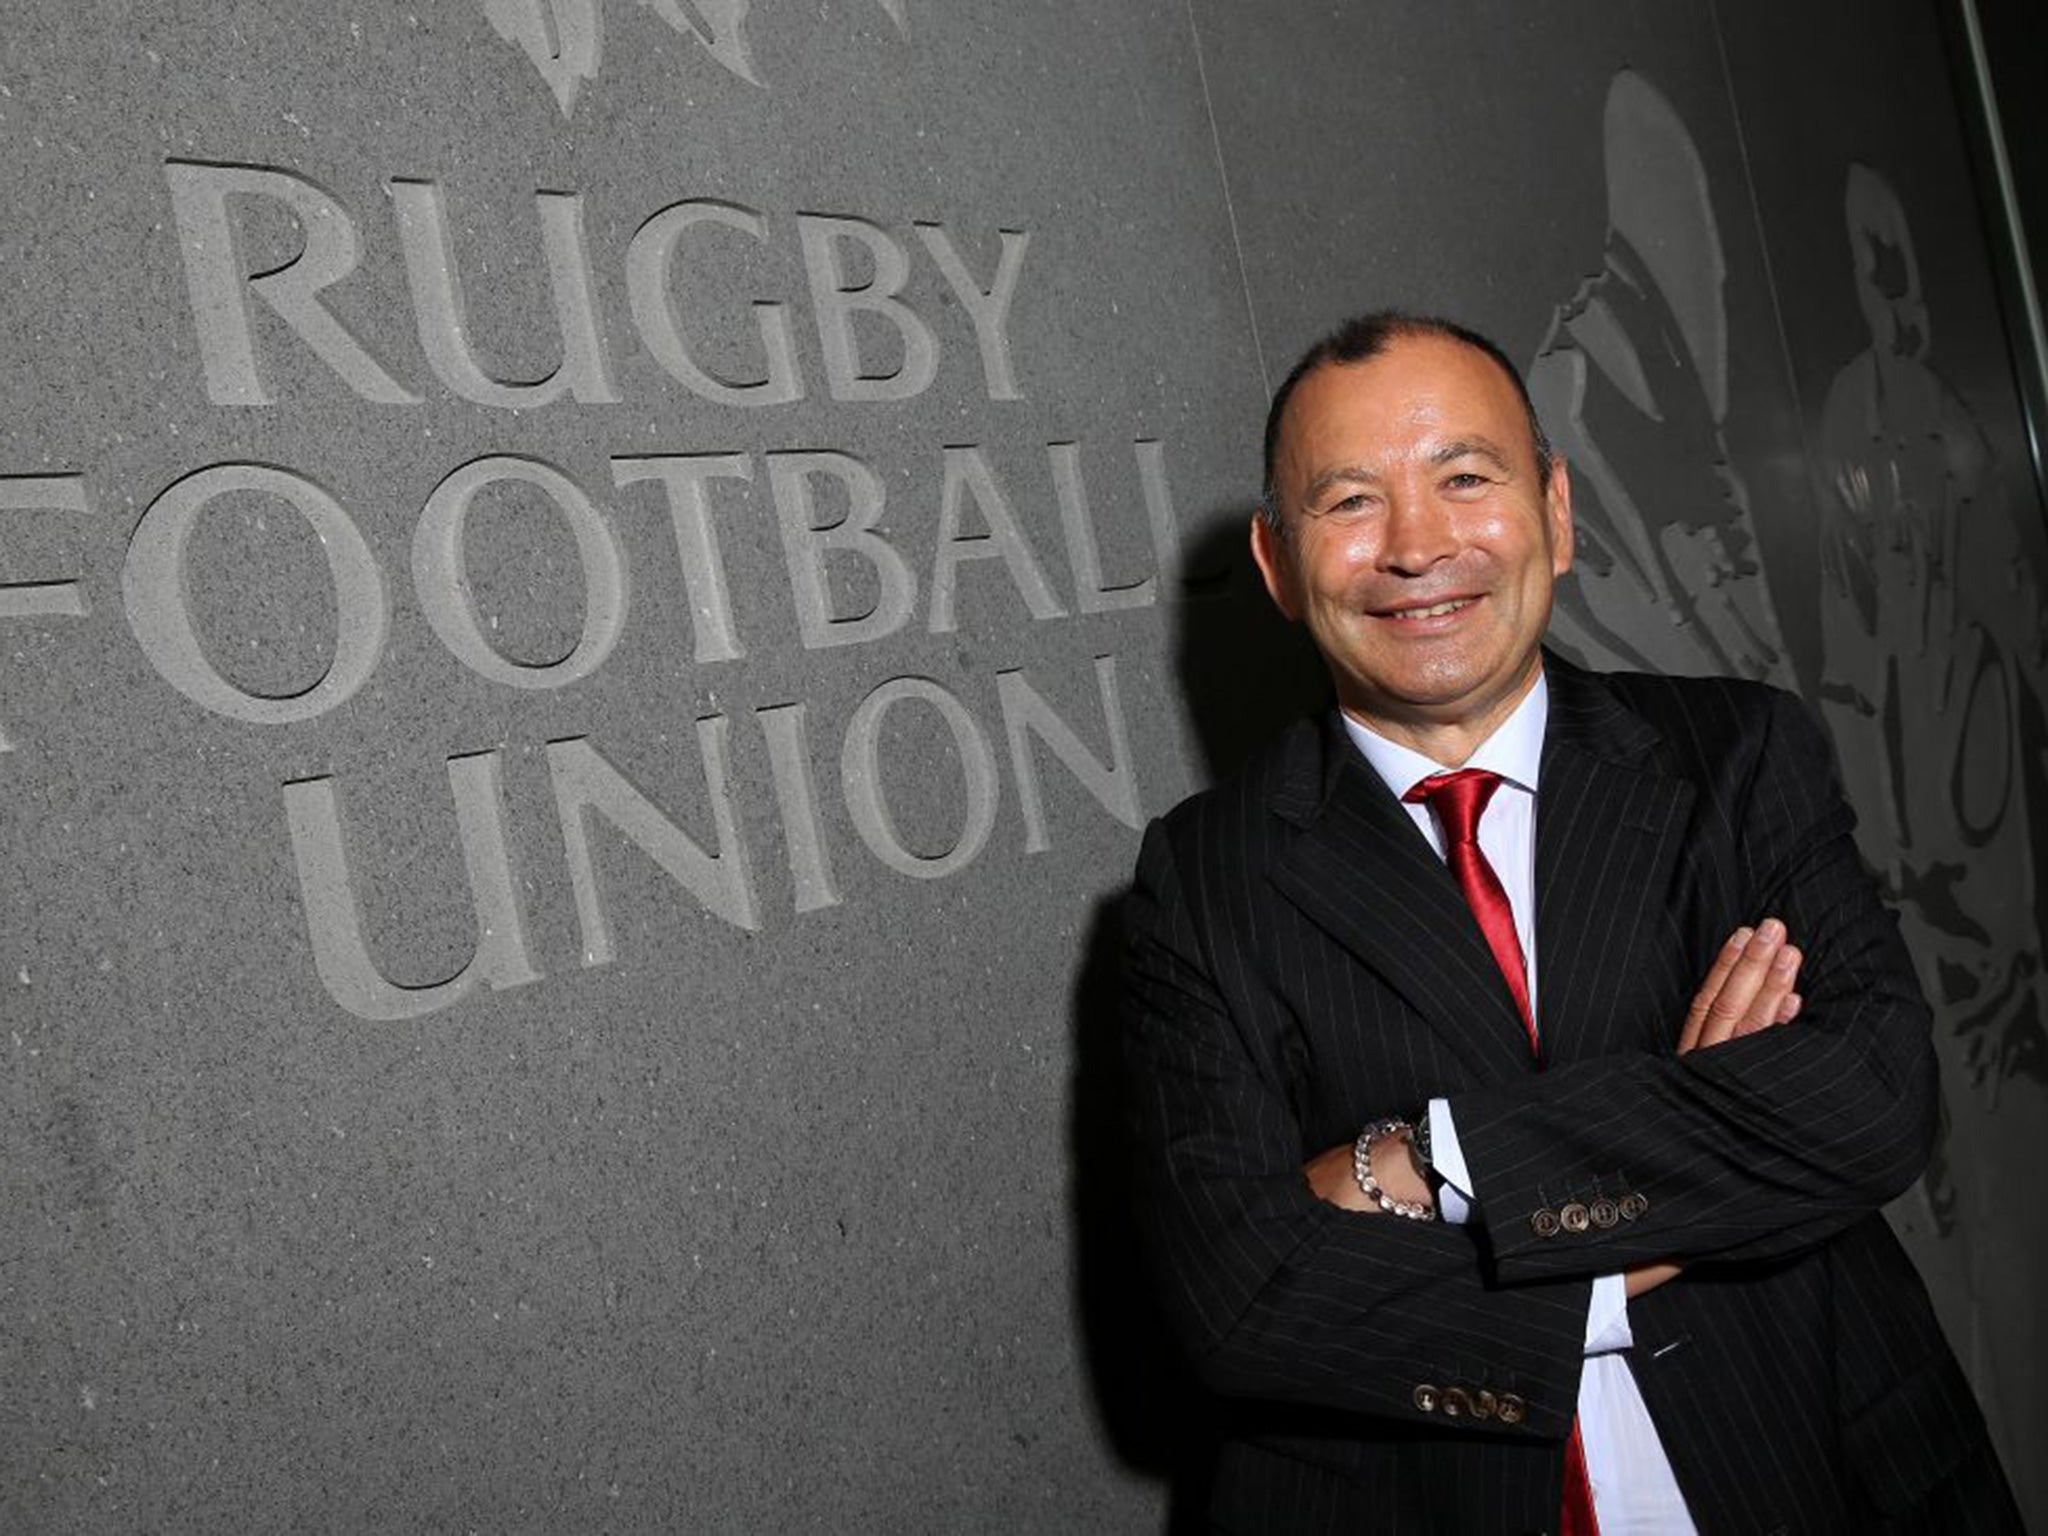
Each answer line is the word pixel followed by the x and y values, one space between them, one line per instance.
pixel 1758 1148
pixel 1276 1294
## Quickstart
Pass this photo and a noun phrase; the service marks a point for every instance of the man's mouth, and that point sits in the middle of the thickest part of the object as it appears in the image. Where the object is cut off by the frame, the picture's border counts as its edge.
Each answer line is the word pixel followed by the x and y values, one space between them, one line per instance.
pixel 1418 612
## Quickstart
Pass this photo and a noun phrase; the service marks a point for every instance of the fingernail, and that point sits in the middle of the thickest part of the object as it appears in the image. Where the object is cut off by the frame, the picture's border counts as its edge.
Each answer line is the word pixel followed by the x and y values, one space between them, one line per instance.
pixel 1741 937
pixel 1786 960
pixel 1770 930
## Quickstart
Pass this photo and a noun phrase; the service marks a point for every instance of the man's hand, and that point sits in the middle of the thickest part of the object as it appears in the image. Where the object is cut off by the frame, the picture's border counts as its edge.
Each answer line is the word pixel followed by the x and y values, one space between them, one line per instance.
pixel 1749 988
pixel 1329 1176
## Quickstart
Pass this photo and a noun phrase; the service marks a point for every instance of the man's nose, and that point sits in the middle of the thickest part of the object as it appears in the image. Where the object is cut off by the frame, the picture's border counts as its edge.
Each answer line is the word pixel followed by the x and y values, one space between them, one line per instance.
pixel 1418 533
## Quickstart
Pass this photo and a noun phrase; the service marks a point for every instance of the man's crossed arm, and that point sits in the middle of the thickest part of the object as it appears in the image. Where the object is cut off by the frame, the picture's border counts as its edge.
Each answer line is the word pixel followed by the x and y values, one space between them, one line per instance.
pixel 1751 986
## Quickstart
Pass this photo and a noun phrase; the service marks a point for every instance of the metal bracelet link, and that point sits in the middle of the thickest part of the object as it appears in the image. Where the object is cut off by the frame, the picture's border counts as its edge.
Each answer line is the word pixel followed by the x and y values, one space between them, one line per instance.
pixel 1361 1170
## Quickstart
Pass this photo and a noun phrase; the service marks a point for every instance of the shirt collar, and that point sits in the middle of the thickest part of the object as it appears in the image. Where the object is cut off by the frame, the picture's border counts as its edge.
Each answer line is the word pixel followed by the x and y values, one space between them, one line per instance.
pixel 1514 750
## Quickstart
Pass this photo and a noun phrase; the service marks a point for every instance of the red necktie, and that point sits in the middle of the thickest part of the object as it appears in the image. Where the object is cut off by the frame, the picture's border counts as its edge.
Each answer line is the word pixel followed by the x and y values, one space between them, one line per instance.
pixel 1459 800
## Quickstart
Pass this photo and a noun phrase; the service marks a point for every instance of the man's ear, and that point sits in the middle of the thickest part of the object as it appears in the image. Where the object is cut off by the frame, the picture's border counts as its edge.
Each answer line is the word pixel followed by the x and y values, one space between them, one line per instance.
pixel 1276 565
pixel 1557 513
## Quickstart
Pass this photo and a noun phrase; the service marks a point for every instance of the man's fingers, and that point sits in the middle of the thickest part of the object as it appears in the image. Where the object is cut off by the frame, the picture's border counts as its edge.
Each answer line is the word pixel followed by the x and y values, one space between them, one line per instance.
pixel 1724 962
pixel 1745 979
pixel 1766 1009
pixel 1778 983
pixel 1750 987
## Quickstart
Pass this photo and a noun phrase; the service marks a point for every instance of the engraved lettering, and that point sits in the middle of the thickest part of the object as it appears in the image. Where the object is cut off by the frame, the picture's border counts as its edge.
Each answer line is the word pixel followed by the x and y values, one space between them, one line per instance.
pixel 1151 454
pixel 153 593
pixel 40 599
pixel 967 473
pixel 585 782
pixel 1026 714
pixel 806 547
pixel 215 281
pixel 988 308
pixel 450 607
pixel 1083 553
pixel 789 761
pixel 860 769
pixel 442 316
pixel 836 299
pixel 334 916
pixel 648 262
pixel 696 544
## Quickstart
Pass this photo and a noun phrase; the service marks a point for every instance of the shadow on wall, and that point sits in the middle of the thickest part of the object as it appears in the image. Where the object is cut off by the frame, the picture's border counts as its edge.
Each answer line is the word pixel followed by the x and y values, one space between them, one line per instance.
pixel 1244 672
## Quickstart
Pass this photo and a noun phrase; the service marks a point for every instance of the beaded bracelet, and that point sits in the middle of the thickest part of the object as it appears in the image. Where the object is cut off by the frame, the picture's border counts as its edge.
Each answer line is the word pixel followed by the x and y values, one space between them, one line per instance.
pixel 1361 1170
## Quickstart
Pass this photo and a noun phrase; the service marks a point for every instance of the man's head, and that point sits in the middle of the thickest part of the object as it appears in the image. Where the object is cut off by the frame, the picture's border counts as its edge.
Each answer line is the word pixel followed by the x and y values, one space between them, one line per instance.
pixel 1415 520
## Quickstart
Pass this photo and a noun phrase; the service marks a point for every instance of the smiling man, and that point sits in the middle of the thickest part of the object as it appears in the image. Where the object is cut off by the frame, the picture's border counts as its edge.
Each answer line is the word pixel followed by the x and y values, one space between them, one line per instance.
pixel 1503 1164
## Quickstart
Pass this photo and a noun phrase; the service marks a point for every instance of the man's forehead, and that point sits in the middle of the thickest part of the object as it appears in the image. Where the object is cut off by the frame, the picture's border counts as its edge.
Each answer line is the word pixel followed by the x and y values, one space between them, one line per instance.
pixel 1417 396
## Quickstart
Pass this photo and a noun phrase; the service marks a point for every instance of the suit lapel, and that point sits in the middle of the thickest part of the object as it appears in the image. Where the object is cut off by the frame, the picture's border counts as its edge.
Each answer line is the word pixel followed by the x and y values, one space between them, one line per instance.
pixel 1609 830
pixel 1363 872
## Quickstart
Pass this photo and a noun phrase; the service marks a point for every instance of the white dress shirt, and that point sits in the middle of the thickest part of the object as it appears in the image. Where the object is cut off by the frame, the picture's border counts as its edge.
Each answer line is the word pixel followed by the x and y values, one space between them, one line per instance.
pixel 1634 1490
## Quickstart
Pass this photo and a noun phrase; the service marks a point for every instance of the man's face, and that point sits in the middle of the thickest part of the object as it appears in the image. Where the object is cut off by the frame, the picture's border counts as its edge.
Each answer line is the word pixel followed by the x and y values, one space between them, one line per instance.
pixel 1422 543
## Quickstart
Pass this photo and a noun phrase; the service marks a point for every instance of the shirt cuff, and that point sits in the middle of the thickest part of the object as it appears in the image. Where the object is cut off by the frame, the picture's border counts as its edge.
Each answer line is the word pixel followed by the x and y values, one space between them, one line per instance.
pixel 1607 1328
pixel 1454 1196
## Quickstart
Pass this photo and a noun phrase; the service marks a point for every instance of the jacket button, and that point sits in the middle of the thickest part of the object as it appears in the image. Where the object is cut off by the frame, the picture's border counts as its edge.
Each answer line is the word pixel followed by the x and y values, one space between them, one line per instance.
pixel 1426 1398
pixel 1457 1403
pixel 1573 1218
pixel 1544 1222
pixel 1512 1409
pixel 1633 1205
pixel 1604 1212
pixel 1484 1403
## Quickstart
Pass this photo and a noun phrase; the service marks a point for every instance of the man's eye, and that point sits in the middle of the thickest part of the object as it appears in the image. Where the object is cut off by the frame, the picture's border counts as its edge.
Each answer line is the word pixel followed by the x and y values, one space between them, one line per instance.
pixel 1349 506
pixel 1465 480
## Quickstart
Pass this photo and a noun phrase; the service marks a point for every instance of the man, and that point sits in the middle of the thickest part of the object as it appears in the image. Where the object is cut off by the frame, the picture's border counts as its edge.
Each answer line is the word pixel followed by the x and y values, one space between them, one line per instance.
pixel 1638 1279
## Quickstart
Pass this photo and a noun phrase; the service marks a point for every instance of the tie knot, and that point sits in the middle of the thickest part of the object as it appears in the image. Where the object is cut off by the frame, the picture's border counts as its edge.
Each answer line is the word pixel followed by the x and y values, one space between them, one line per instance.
pixel 1458 798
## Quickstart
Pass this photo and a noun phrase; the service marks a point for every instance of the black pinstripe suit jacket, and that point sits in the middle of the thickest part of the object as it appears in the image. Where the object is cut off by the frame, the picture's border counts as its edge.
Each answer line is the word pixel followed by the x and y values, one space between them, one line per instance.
pixel 1300 962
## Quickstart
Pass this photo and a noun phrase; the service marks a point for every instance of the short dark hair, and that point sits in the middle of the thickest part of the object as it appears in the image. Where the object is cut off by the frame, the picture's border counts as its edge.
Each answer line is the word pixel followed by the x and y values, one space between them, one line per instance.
pixel 1367 336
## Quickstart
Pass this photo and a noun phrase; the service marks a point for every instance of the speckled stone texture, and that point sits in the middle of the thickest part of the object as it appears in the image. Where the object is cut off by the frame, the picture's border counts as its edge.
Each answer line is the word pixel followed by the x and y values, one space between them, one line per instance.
pixel 726 1185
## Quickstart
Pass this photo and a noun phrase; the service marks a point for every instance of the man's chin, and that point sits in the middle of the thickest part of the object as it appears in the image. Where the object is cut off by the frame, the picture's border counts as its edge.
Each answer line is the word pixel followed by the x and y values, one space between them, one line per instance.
pixel 1434 699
